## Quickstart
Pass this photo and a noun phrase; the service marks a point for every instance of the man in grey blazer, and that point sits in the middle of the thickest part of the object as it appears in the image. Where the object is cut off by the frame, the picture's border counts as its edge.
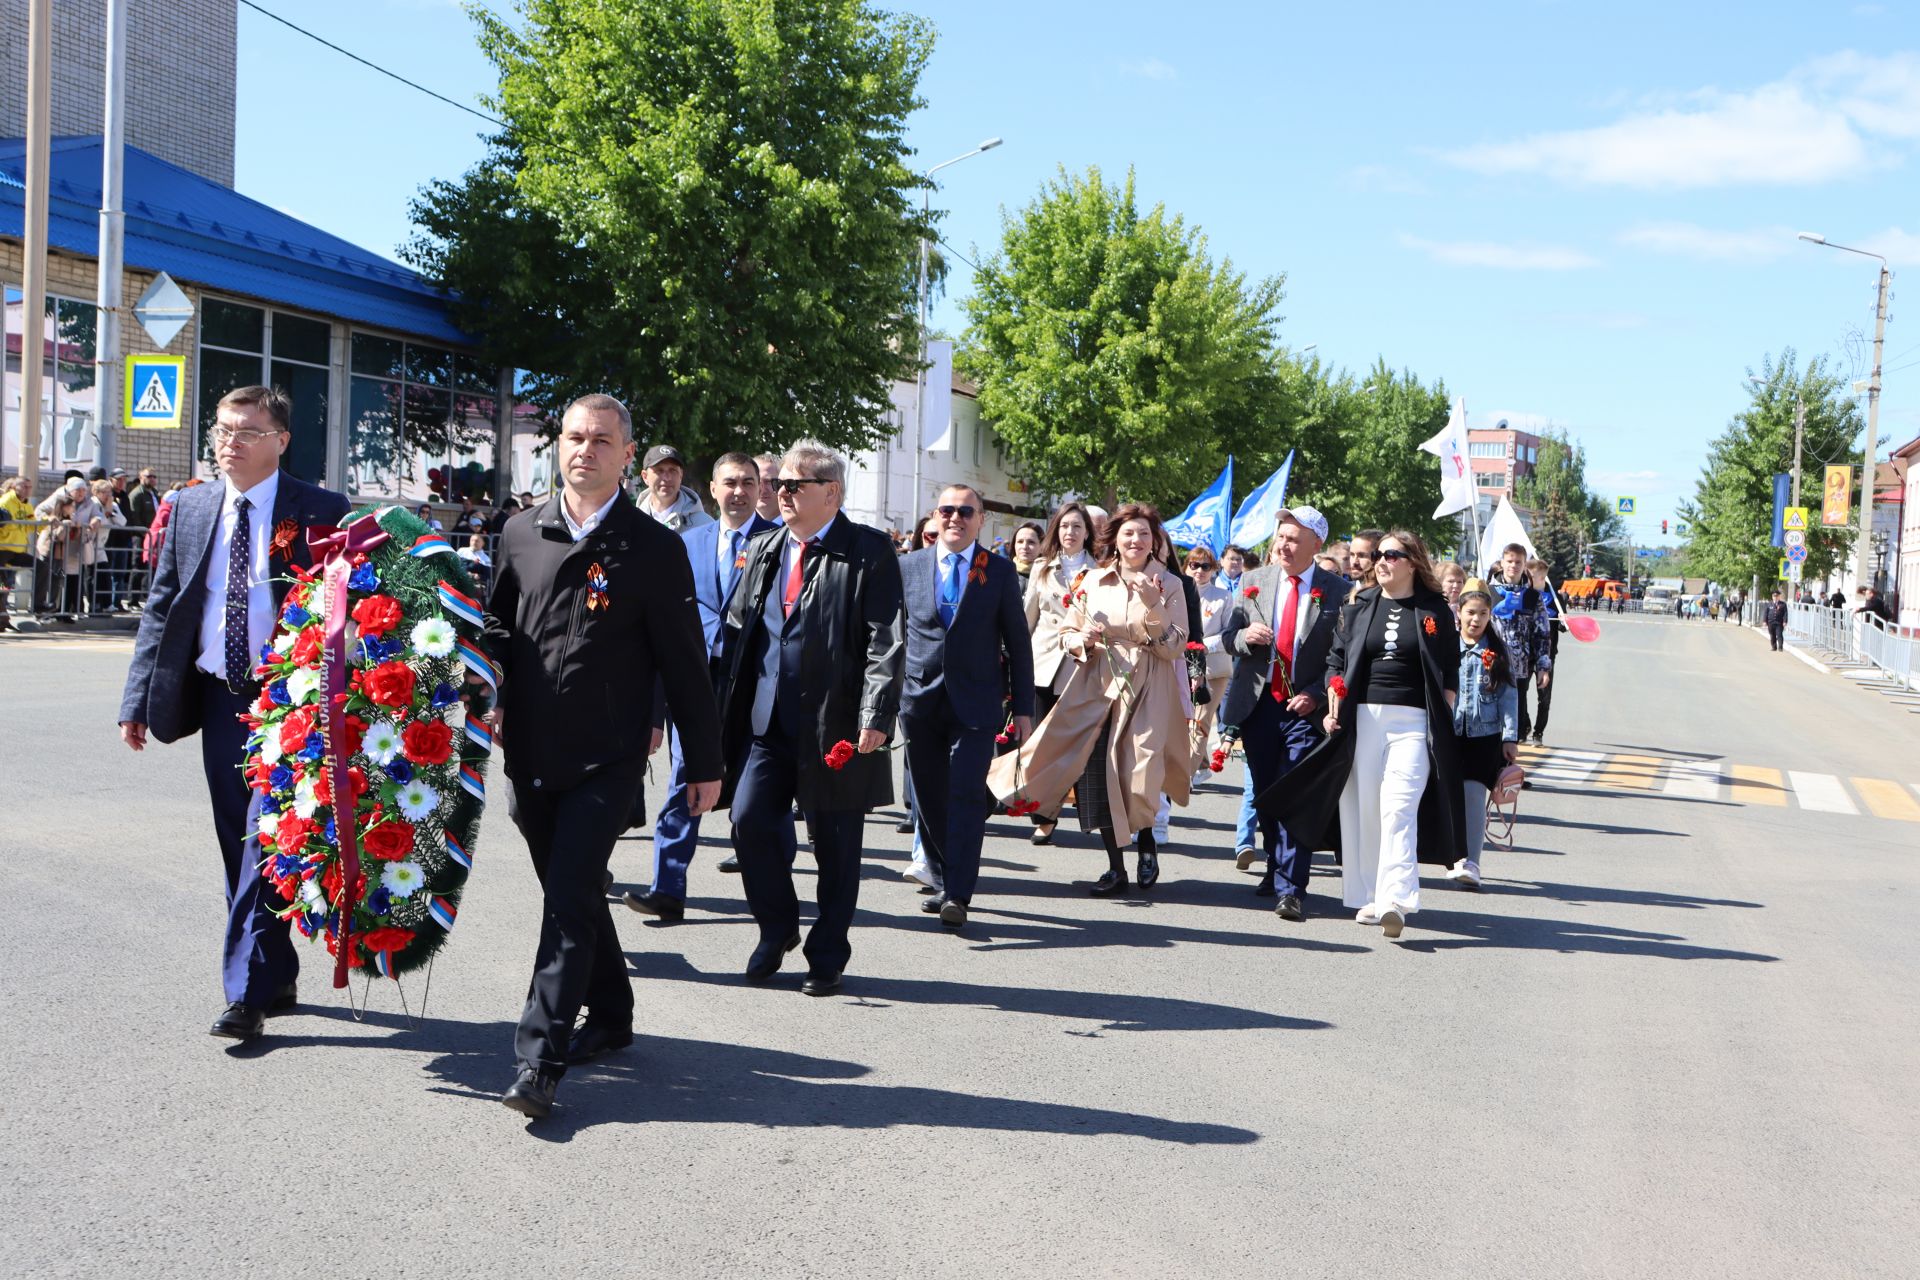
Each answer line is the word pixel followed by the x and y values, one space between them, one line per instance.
pixel 222 576
pixel 967 645
pixel 1279 631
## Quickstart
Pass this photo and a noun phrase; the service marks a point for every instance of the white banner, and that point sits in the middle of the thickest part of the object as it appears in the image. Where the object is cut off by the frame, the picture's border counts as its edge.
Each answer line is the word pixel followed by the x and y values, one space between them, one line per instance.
pixel 1456 473
pixel 936 404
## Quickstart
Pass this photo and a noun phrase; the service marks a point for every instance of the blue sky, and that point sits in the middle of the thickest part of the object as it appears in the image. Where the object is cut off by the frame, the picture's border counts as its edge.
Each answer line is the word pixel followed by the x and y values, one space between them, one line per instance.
pixel 1581 215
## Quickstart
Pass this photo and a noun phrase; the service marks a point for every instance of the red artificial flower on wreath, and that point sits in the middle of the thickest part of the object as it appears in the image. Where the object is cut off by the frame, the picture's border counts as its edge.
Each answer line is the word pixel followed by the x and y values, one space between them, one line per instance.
pixel 377 615
pixel 1337 687
pixel 263 704
pixel 331 881
pixel 356 783
pixel 300 595
pixel 306 648
pixel 427 741
pixel 356 732
pixel 386 938
pixel 389 842
pixel 841 752
pixel 1429 625
pixel 390 684
pixel 295 730
pixel 290 837
pixel 283 535
pixel 260 776
pixel 354 960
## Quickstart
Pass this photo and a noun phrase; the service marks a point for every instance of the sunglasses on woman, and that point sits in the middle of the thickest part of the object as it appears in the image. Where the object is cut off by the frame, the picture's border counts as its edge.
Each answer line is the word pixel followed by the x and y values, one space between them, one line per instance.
pixel 1392 553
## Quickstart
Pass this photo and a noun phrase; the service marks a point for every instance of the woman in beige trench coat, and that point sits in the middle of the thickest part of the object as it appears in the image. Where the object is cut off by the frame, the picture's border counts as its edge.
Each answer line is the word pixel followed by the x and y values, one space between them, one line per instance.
pixel 1119 729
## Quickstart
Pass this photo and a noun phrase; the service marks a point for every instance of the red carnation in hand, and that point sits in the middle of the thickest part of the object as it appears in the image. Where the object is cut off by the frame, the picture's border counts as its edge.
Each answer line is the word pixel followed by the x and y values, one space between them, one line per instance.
pixel 390 684
pixel 1195 644
pixel 1251 593
pixel 841 753
pixel 1337 687
pixel 295 729
pixel 1021 808
pixel 1219 760
pixel 389 842
pixel 377 615
pixel 427 741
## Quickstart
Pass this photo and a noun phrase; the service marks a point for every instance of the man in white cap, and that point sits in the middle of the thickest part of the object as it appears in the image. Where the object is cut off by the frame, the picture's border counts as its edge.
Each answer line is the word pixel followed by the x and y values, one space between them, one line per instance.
pixel 1279 631
pixel 664 498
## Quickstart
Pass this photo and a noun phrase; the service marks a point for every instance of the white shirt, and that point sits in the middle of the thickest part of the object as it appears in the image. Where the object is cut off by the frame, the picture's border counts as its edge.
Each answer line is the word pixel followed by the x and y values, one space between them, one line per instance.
pixel 260 613
pixel 723 548
pixel 1070 565
pixel 1300 612
pixel 581 528
pixel 791 546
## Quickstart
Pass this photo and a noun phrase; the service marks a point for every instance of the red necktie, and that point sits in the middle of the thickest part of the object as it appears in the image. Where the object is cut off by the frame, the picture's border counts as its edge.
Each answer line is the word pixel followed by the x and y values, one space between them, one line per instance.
pixel 1283 642
pixel 795 576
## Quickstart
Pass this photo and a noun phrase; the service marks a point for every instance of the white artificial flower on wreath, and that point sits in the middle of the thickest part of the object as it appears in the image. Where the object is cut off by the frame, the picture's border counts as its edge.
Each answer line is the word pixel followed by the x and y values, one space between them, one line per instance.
pixel 302 685
pixel 434 637
pixel 269 824
pixel 270 745
pixel 416 800
pixel 304 799
pixel 283 643
pixel 403 879
pixel 382 742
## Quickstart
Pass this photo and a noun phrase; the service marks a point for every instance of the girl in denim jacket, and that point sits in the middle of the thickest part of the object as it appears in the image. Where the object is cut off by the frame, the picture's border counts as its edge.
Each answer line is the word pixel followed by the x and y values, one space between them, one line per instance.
pixel 1486 719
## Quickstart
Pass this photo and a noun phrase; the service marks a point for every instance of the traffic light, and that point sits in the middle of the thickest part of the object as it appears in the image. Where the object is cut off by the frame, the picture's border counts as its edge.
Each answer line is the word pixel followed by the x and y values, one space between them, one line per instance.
pixel 1663 527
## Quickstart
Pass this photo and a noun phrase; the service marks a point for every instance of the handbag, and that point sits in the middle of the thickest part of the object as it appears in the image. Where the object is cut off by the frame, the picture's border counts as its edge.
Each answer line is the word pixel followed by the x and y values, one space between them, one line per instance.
pixel 1503 806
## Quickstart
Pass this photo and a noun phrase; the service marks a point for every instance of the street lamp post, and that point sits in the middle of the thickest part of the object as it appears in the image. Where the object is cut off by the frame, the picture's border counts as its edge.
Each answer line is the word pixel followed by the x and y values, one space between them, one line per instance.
pixel 920 379
pixel 1863 552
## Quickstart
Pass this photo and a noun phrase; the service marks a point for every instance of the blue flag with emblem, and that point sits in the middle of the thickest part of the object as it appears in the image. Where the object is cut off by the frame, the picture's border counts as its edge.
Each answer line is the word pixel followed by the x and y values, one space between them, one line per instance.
pixel 1253 524
pixel 1208 518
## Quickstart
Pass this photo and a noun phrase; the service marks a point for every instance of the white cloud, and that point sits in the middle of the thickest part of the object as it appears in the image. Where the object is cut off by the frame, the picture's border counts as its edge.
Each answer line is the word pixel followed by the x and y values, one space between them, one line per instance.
pixel 1900 248
pixel 1378 178
pixel 1758 244
pixel 1150 69
pixel 1506 257
pixel 1831 118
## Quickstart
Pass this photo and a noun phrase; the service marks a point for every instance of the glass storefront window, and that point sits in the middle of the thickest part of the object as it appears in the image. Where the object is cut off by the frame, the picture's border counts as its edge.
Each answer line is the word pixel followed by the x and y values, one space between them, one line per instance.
pixel 437 446
pixel 242 346
pixel 69 415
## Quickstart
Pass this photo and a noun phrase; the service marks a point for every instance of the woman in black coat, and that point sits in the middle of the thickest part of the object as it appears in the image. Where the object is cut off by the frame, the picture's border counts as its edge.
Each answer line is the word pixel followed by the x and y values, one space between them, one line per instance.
pixel 1385 784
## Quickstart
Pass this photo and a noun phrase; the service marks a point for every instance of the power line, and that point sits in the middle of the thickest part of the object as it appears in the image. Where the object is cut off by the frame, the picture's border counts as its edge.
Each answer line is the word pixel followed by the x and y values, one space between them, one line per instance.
pixel 373 66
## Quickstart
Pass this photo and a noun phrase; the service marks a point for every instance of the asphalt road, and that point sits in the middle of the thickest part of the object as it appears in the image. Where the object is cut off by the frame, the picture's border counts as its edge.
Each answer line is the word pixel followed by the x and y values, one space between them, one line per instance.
pixel 1675 1037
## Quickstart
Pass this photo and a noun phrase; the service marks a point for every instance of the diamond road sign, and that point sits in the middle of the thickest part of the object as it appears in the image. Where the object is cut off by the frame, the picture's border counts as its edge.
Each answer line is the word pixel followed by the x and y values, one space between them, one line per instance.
pixel 163 310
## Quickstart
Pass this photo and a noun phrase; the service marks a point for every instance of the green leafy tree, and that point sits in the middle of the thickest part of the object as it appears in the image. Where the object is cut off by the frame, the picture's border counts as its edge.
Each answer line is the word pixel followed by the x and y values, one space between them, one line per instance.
pixel 701 206
pixel 1730 518
pixel 1560 471
pixel 1359 458
pixel 1113 356
pixel 1557 538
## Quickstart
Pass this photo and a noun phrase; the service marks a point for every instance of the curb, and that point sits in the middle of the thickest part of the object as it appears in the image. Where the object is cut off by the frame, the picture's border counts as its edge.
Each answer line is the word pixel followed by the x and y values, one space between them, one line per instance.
pixel 1809 659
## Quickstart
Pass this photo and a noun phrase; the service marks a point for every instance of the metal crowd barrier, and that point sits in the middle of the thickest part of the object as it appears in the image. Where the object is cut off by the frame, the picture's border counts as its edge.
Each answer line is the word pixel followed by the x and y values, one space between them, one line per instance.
pixel 113 577
pixel 1863 639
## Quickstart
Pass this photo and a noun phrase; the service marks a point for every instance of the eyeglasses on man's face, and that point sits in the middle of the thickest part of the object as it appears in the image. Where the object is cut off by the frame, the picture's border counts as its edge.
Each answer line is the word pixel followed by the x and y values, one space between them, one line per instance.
pixel 963 512
pixel 793 484
pixel 246 437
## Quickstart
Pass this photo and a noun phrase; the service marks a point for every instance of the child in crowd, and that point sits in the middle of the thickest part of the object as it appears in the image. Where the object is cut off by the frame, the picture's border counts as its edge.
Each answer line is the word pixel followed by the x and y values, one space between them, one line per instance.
pixel 1486 719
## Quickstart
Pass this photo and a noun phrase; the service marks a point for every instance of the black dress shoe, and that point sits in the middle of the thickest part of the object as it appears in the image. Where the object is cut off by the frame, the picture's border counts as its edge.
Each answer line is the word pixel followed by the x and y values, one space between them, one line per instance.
pixel 239 1022
pixel 730 865
pixel 904 828
pixel 1148 870
pixel 933 904
pixel 606 882
pixel 595 1039
pixel 821 984
pixel 926 889
pixel 532 1094
pixel 1042 835
pixel 657 904
pixel 284 999
pixel 1109 884
pixel 1264 889
pixel 953 914
pixel 766 958
pixel 1290 908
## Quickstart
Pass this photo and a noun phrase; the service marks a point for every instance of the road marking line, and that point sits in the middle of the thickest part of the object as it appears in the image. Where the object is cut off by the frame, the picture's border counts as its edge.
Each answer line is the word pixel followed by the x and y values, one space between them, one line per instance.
pixel 1821 792
pixel 1565 765
pixel 1754 785
pixel 1694 779
pixel 1887 799
pixel 1630 773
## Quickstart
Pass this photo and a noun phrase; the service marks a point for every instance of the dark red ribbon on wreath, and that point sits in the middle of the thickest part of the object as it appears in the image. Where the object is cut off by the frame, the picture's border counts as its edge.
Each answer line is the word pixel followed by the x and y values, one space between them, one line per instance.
pixel 333 551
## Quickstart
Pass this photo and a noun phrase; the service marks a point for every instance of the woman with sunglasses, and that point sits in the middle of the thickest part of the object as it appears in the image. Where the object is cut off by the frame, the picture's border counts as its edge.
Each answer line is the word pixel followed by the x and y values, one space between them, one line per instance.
pixel 1062 557
pixel 1388 770
pixel 1118 731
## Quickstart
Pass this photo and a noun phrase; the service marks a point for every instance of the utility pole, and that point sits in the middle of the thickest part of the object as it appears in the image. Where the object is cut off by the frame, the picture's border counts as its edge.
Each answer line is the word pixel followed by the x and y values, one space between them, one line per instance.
pixel 33 338
pixel 1863 557
pixel 113 224
pixel 1799 437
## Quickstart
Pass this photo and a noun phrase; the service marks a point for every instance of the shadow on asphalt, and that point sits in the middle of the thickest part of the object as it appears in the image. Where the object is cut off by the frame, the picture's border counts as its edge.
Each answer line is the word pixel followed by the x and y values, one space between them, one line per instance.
pixel 1609 828
pixel 1565 936
pixel 704 1082
pixel 1583 895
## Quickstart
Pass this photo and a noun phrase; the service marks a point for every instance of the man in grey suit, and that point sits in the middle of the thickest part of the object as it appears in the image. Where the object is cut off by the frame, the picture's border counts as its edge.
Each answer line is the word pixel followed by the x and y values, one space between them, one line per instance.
pixel 966 639
pixel 1279 631
pixel 222 576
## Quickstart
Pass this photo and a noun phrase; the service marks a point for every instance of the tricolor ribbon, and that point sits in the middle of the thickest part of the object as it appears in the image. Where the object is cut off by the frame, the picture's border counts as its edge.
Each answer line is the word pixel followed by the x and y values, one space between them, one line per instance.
pixel 479 734
pixel 429 544
pixel 442 911
pixel 475 659
pixel 472 783
pixel 334 551
pixel 461 606
pixel 458 852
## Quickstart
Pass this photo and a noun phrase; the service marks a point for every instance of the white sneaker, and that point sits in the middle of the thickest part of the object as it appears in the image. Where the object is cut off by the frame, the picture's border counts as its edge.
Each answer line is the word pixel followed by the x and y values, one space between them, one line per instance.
pixel 1201 777
pixel 1160 833
pixel 1392 922
pixel 1465 874
pixel 1366 915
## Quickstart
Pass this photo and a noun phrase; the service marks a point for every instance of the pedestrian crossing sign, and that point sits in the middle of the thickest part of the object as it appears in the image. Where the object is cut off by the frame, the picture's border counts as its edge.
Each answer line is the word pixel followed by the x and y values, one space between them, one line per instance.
pixel 1623 506
pixel 1794 519
pixel 153 392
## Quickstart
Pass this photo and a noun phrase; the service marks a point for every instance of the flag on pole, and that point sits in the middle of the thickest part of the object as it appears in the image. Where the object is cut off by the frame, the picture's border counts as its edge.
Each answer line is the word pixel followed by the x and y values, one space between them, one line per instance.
pixel 1502 531
pixel 1253 523
pixel 1456 473
pixel 1208 518
pixel 936 402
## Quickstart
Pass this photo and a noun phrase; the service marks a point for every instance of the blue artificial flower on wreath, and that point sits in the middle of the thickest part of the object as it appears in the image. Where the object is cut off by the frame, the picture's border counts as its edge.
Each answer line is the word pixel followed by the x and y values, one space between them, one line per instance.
pixel 315 748
pixel 281 778
pixel 296 616
pixel 444 695
pixel 379 901
pixel 271 803
pixel 267 654
pixel 331 833
pixel 278 692
pixel 364 578
pixel 400 771
pixel 286 864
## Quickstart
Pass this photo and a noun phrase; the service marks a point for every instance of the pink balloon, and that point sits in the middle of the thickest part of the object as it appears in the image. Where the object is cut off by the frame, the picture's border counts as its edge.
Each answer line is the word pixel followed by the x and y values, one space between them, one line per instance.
pixel 1584 628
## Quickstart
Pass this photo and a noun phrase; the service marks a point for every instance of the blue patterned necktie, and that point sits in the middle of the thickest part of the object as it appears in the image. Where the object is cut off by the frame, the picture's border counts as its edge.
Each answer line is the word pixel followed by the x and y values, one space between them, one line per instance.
pixel 731 570
pixel 239 561
pixel 950 589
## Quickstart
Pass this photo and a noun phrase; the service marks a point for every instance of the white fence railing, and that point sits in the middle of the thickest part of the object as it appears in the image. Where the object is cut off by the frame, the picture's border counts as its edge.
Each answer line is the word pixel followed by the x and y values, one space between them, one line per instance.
pixel 1859 637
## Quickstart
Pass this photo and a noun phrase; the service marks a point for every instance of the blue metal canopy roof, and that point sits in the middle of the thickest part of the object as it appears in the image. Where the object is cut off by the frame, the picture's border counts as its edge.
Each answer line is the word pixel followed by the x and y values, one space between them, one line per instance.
pixel 202 233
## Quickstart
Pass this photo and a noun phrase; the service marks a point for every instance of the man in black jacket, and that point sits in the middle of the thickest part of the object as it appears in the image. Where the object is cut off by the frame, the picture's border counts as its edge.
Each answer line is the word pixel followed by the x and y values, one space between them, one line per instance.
pixel 1775 618
pixel 814 655
pixel 592 604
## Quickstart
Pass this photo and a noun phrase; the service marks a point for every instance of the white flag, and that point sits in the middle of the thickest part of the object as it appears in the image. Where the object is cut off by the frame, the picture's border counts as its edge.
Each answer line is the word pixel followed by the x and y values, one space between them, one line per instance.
pixel 1456 473
pixel 1502 532
pixel 936 404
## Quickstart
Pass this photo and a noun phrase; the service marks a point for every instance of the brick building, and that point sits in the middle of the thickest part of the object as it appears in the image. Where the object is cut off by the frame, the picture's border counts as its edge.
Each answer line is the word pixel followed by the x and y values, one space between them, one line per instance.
pixel 1500 456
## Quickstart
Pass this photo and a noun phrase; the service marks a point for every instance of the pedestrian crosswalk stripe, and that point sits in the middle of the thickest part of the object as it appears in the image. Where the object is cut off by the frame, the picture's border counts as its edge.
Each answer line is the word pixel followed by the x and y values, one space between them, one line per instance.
pixel 1693 780
pixel 1630 773
pixel 1562 766
pixel 1888 799
pixel 1821 792
pixel 1755 785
